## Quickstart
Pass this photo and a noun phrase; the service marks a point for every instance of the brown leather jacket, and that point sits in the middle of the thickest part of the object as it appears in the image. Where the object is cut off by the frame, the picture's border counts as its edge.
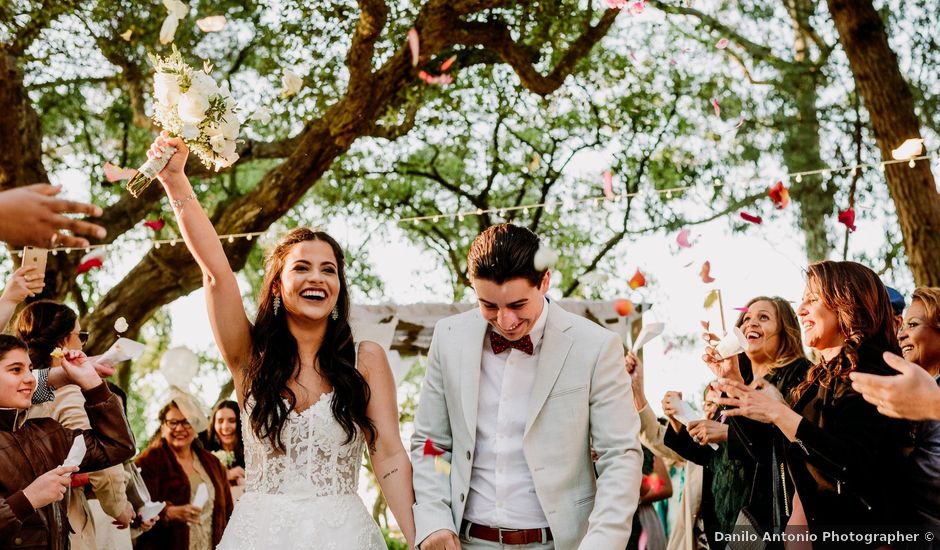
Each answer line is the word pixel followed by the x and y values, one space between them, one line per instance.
pixel 31 448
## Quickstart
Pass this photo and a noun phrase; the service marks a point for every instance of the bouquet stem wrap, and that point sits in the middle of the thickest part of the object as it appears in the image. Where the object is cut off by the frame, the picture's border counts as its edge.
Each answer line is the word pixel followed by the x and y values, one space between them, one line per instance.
pixel 148 171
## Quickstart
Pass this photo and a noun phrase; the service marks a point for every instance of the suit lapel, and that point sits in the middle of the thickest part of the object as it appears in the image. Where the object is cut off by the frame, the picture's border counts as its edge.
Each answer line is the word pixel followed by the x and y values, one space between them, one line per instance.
pixel 470 361
pixel 555 347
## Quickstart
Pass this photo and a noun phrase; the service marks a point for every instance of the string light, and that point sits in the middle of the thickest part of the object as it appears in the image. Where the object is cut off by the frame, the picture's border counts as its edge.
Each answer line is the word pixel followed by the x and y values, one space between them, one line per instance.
pixel 569 203
pixel 157 243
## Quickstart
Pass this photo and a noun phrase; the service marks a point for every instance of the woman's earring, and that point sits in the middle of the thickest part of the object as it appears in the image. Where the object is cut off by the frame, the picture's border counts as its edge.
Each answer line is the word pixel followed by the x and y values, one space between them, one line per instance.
pixel 277 304
pixel 334 314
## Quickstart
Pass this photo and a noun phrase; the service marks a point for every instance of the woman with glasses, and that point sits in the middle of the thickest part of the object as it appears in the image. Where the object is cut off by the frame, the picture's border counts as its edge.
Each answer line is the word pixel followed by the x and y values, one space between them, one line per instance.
pixel 47 327
pixel 173 466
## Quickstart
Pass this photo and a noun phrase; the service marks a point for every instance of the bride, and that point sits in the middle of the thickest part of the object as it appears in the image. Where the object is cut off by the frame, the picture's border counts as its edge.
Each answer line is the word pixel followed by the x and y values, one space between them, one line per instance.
pixel 311 399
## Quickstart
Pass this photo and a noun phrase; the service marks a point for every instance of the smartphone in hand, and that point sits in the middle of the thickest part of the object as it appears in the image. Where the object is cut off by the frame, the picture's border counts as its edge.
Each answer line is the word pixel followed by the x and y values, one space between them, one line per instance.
pixel 35 257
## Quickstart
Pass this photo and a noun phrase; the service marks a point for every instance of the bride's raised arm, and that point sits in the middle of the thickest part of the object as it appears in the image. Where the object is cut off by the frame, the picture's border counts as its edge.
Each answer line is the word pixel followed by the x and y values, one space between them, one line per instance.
pixel 230 323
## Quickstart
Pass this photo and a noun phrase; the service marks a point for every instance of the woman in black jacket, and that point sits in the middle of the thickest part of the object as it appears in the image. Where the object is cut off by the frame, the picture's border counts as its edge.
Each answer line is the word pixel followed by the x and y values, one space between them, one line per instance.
pixel 844 457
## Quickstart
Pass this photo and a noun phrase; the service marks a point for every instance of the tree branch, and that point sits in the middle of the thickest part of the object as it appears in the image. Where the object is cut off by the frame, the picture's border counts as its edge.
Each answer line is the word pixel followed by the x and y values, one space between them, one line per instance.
pixel 495 35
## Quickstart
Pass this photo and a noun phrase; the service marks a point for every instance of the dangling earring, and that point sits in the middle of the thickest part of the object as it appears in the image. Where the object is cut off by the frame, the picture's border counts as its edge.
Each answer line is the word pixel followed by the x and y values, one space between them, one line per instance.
pixel 277 304
pixel 334 314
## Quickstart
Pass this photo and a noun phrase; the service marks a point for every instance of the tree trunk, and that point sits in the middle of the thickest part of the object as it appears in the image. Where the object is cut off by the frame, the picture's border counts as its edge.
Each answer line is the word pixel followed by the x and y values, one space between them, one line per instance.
pixel 890 106
pixel 20 133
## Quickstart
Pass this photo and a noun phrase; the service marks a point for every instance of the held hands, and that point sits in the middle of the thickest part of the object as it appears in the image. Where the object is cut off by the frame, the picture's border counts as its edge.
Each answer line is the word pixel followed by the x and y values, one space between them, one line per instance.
pixel 186 513
pixel 24 283
pixel 33 216
pixel 913 394
pixel 705 432
pixel 174 170
pixel 124 520
pixel 49 487
pixel 442 539
pixel 760 401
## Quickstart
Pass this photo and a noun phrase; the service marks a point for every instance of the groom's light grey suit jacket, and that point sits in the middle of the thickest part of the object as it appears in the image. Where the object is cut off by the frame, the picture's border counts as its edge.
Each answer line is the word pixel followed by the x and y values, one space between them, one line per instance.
pixel 581 399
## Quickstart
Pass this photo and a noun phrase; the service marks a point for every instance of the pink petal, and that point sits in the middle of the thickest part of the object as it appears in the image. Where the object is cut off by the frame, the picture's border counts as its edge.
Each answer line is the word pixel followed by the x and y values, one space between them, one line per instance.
pixel 716 107
pixel 682 239
pixel 751 218
pixel 609 185
pixel 413 45
pixel 636 8
pixel 667 347
pixel 742 309
pixel 722 44
pixel 114 173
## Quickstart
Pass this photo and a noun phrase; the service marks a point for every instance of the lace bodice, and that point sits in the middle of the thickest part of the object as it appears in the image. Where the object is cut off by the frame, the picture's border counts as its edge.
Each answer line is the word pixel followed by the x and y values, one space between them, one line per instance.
pixel 315 461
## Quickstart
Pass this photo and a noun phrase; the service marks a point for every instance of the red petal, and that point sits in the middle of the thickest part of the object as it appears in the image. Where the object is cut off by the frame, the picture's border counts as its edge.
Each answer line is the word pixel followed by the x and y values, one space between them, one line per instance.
pixel 780 195
pixel 430 449
pixel 847 217
pixel 637 280
pixel 88 264
pixel 446 64
pixel 705 273
pixel 751 218
pixel 156 225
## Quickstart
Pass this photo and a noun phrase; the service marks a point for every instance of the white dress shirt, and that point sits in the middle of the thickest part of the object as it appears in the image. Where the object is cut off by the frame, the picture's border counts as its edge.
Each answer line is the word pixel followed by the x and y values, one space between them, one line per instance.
pixel 502 493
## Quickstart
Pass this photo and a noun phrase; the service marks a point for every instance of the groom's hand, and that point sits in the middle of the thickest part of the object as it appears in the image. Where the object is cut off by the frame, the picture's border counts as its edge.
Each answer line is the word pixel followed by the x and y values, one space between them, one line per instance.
pixel 442 539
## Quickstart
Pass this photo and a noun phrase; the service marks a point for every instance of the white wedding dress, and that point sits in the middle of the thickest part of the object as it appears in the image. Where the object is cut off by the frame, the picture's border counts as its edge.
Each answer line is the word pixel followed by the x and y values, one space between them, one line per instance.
pixel 305 497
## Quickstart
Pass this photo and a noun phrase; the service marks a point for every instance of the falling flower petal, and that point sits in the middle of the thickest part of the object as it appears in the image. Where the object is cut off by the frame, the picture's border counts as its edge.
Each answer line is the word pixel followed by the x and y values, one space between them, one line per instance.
pixel 126 35
pixel 441 466
pixel 847 217
pixel 705 324
pixel 114 173
pixel 292 83
pixel 430 449
pixel 716 107
pixel 413 45
pixel 739 123
pixel 213 23
pixel 722 44
pixel 705 273
pixel 682 239
pixel 617 4
pixel 688 264
pixel 623 307
pixel 667 347
pixel 120 326
pixel 742 309
pixel 637 280
pixel 435 79
pixel 608 185
pixel 909 149
pixel 780 195
pixel 545 257
pixel 751 218
pixel 92 260
pixel 710 300
pixel 448 62
pixel 168 29
pixel 636 8
pixel 262 115
pixel 156 225
pixel 672 61
pixel 534 163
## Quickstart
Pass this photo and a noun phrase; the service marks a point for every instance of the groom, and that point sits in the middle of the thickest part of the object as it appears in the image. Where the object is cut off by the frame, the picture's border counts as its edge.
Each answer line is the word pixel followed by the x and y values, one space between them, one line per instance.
pixel 517 394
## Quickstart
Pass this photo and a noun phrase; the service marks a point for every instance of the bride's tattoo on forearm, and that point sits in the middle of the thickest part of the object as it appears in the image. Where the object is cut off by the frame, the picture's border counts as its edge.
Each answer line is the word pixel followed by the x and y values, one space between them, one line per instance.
pixel 393 471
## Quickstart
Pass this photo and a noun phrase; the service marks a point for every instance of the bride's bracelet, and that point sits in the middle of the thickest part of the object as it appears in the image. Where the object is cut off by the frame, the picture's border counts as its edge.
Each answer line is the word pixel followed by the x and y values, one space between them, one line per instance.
pixel 178 203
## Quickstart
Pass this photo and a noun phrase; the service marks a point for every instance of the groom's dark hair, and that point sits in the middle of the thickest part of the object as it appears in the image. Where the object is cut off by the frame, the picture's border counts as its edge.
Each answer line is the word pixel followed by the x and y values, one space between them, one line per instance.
pixel 504 252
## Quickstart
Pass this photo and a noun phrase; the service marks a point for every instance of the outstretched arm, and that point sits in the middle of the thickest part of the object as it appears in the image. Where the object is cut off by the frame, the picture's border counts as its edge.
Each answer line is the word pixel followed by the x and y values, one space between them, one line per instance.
pixel 389 459
pixel 227 316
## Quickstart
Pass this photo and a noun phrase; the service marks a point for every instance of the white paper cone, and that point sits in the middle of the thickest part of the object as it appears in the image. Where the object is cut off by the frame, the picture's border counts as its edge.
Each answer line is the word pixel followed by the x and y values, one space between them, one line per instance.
pixel 647 333
pixel 76 453
pixel 151 510
pixel 732 344
pixel 122 350
pixel 686 414
pixel 202 496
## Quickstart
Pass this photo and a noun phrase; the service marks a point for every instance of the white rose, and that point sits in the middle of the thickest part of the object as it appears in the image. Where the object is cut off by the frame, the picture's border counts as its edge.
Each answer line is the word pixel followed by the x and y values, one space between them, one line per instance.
pixel 166 88
pixel 229 125
pixel 218 143
pixel 192 106
pixel 292 83
pixel 203 83
pixel 189 131
pixel 225 162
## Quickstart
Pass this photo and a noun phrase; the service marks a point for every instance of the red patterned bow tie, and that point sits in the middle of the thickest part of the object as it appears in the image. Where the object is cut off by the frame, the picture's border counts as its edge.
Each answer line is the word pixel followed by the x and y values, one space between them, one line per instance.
pixel 500 344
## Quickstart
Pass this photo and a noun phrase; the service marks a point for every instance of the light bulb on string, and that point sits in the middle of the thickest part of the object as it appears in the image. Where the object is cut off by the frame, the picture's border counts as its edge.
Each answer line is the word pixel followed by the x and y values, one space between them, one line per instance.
pixel 911 164
pixel 479 211
pixel 668 193
pixel 231 239
pixel 435 219
pixel 799 178
pixel 460 216
pixel 156 245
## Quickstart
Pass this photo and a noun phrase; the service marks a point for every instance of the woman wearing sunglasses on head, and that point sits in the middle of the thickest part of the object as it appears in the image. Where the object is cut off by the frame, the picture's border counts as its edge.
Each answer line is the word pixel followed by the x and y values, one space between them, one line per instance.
pixel 51 329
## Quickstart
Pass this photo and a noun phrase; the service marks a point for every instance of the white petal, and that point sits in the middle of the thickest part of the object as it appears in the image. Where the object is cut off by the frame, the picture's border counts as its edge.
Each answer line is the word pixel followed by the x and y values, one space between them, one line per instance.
pixel 213 23
pixel 168 29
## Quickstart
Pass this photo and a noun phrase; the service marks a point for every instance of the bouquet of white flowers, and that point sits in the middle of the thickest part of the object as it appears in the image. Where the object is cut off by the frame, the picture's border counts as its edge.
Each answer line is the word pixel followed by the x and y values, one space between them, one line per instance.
pixel 190 104
pixel 227 458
